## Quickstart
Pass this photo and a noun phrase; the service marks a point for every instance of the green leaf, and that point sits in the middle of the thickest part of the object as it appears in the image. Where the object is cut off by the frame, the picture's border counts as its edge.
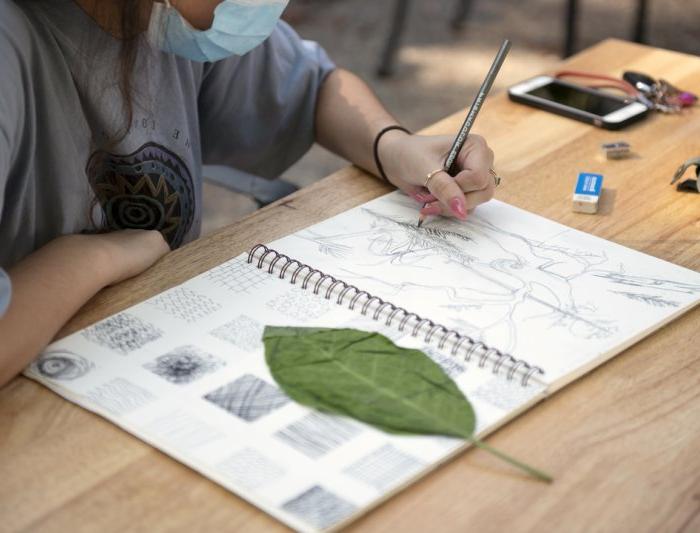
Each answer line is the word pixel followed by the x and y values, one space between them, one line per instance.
pixel 365 376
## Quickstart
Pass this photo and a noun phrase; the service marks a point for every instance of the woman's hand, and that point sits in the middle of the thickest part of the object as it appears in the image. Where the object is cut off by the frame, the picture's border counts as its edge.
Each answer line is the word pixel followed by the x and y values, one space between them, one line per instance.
pixel 408 159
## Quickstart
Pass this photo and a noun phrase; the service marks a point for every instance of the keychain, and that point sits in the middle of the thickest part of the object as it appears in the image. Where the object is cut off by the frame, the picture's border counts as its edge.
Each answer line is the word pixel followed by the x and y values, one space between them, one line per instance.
pixel 664 96
pixel 659 95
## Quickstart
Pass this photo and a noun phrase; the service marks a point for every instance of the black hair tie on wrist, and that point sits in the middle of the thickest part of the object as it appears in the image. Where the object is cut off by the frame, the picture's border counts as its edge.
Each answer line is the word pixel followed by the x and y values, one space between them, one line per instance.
pixel 377 162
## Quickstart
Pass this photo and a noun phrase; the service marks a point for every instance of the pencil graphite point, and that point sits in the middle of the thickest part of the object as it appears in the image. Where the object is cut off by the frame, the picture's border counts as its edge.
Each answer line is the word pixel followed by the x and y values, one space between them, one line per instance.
pixel 420 221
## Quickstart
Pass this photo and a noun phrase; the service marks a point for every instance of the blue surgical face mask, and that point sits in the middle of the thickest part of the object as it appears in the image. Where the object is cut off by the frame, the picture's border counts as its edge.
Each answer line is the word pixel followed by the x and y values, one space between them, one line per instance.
pixel 238 27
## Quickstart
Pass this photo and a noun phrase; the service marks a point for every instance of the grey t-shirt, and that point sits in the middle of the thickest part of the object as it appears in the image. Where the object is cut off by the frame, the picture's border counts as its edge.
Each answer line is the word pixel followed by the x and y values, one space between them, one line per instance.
pixel 61 170
pixel 5 291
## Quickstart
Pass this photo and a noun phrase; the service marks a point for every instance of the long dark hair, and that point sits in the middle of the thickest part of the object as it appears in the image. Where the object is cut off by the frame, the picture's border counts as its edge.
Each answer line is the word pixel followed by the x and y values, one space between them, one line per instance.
pixel 128 26
pixel 133 17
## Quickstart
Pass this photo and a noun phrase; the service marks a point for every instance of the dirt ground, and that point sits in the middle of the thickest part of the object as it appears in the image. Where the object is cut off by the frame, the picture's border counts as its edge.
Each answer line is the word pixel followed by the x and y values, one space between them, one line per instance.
pixel 438 69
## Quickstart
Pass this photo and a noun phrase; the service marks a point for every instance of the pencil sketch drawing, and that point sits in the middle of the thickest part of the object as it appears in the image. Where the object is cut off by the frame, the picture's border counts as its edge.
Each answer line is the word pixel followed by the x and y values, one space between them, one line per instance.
pixel 248 397
pixel 185 304
pixel 250 469
pixel 184 365
pixel 649 299
pixel 492 278
pixel 645 282
pixel 122 333
pixel 316 433
pixel 319 507
pixel 384 468
pixel 62 365
pixel 243 332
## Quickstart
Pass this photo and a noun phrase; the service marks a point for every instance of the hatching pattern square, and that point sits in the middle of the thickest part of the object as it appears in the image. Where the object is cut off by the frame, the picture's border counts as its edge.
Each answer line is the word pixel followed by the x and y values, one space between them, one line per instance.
pixel 185 304
pixel 243 332
pixel 120 396
pixel 248 397
pixel 122 333
pixel 448 363
pixel 237 275
pixel 319 507
pixel 316 434
pixel 384 467
pixel 300 304
pixel 250 469
pixel 184 365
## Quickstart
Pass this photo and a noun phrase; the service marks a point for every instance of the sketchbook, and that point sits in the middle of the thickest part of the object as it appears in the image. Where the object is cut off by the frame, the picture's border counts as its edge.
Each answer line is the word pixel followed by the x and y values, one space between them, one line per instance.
pixel 511 305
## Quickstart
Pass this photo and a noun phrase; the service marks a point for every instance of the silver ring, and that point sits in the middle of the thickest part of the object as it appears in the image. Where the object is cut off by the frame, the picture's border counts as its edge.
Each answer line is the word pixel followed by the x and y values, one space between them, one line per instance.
pixel 496 177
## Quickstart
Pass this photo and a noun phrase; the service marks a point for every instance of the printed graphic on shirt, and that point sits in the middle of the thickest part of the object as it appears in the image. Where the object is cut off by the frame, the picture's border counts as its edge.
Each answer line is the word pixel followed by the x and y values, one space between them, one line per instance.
pixel 150 188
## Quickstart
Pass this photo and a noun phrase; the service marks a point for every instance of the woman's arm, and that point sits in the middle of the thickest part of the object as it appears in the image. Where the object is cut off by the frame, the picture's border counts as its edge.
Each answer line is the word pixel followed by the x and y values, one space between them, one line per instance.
pixel 348 118
pixel 51 284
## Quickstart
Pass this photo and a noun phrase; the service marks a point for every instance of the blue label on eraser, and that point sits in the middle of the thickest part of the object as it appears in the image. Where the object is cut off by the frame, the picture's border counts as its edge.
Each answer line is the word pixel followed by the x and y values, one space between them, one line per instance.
pixel 590 184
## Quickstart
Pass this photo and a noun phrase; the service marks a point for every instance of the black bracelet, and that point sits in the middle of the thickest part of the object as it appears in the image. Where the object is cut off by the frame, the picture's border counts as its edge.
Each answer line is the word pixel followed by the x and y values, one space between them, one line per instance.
pixel 377 162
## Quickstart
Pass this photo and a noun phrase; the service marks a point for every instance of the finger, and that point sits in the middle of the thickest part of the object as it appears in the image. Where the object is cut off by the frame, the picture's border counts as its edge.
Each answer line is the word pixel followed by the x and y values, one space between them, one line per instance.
pixel 477 156
pixel 437 209
pixel 479 197
pixel 446 190
pixel 471 200
pixel 424 195
pixel 420 194
pixel 432 209
pixel 474 180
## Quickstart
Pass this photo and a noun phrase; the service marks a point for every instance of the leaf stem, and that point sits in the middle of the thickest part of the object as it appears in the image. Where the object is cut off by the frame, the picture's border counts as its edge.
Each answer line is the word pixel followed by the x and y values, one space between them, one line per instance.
pixel 508 459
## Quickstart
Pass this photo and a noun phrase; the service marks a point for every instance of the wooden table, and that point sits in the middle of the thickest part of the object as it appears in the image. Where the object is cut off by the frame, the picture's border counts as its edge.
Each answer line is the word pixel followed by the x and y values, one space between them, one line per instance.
pixel 623 443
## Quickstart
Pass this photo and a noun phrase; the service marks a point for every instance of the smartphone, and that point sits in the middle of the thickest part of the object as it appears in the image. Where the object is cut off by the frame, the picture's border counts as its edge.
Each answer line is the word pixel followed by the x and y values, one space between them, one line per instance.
pixel 575 101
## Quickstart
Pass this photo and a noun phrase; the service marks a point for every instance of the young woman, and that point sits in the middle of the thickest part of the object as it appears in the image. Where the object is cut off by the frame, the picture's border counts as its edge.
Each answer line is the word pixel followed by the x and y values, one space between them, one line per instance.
pixel 108 109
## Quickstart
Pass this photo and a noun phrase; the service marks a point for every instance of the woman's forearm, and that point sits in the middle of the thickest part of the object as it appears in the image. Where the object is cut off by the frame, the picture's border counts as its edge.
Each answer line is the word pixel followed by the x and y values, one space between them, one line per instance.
pixel 48 287
pixel 348 118
pixel 51 284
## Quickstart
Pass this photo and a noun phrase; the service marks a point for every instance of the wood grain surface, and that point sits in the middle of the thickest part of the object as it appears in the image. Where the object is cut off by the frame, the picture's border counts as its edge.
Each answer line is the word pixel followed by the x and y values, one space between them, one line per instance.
pixel 622 442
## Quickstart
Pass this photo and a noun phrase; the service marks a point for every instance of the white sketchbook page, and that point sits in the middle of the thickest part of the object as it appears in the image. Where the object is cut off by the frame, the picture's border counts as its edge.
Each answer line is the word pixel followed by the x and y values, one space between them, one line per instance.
pixel 556 297
pixel 185 372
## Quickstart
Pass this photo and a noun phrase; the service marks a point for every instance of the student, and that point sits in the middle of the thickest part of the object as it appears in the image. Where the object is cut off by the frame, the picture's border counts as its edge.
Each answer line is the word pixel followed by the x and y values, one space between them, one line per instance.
pixel 108 109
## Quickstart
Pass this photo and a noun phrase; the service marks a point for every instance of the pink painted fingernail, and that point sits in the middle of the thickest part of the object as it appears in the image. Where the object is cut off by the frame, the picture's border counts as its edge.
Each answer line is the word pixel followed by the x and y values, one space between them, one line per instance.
pixel 458 208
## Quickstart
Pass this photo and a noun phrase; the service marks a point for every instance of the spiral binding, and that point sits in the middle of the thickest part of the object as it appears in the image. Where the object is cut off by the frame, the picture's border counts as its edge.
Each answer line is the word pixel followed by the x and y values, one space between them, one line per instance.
pixel 469 347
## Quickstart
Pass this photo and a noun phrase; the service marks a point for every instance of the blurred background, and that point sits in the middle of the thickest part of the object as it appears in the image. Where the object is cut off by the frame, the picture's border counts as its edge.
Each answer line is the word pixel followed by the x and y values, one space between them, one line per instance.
pixel 445 48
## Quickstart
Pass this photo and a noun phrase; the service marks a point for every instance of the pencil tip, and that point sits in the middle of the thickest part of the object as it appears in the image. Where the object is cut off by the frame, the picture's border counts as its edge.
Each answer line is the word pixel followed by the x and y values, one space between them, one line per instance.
pixel 420 222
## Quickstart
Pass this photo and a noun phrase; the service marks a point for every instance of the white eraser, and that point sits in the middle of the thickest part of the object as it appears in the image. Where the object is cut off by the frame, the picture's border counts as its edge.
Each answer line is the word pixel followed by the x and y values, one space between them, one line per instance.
pixel 587 192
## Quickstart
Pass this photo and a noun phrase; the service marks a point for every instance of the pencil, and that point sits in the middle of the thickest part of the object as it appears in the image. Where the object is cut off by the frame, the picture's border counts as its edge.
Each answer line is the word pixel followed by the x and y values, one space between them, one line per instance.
pixel 450 165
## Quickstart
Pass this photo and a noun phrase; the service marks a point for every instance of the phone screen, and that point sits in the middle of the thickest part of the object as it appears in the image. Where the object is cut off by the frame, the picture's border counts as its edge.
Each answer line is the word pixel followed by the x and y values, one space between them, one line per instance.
pixel 598 104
